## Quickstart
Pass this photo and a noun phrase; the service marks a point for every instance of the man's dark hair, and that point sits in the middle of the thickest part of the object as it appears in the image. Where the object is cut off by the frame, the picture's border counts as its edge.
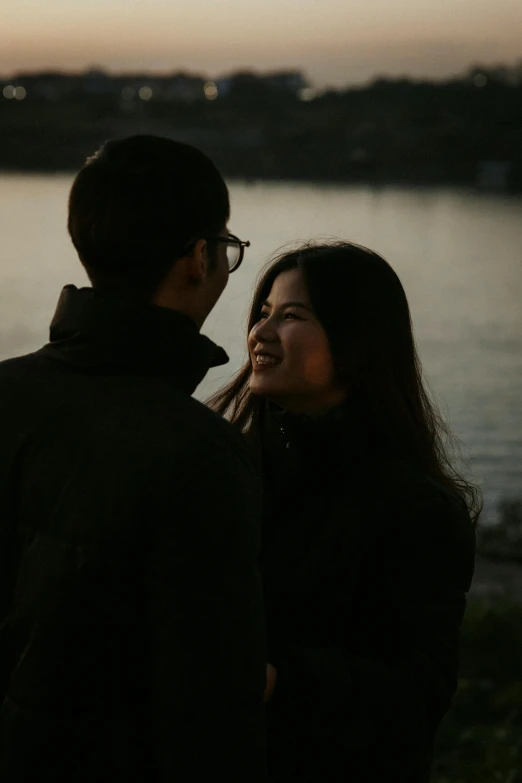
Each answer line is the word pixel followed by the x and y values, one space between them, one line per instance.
pixel 137 205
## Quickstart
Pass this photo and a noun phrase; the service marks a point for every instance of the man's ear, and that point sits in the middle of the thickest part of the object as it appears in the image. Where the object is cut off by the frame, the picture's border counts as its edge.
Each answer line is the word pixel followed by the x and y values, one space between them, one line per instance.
pixel 196 262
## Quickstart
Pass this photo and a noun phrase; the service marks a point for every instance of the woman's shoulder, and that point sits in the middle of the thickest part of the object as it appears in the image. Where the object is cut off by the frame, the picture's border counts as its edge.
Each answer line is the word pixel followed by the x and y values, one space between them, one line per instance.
pixel 400 475
pixel 402 494
pixel 411 517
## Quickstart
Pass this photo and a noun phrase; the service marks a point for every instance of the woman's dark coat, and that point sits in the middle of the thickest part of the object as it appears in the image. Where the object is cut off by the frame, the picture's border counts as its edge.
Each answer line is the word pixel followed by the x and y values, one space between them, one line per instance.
pixel 366 565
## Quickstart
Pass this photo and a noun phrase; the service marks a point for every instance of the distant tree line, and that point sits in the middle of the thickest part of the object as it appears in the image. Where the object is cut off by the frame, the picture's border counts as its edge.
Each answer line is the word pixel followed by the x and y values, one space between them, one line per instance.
pixel 466 130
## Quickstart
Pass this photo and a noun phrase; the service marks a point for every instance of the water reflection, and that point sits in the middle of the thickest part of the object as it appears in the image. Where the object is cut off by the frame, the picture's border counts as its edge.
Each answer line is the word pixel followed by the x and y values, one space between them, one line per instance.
pixel 457 253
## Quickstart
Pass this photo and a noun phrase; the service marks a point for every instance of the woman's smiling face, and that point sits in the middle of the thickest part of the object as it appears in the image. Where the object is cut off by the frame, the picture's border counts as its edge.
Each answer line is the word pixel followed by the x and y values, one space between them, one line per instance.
pixel 292 363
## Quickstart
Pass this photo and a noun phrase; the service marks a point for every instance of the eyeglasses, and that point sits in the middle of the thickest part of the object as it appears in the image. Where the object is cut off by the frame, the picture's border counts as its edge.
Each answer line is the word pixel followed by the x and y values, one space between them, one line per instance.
pixel 235 250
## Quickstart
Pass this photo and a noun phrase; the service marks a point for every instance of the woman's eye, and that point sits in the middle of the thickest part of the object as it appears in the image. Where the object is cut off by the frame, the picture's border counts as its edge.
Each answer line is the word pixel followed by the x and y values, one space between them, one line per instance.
pixel 263 316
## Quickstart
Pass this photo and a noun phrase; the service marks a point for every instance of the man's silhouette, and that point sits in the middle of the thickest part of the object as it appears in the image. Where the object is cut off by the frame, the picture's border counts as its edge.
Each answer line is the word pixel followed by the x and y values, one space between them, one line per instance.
pixel 131 630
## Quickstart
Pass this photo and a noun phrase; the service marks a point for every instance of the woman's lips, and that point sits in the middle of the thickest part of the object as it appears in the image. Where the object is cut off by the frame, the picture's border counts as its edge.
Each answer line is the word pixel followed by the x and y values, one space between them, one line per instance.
pixel 262 362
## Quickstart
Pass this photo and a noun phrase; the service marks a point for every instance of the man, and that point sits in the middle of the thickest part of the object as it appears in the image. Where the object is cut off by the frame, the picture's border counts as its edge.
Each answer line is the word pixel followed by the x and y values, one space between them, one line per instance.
pixel 131 630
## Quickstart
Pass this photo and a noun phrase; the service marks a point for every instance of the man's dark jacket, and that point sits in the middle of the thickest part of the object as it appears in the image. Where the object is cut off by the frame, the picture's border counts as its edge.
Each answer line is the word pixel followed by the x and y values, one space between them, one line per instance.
pixel 131 627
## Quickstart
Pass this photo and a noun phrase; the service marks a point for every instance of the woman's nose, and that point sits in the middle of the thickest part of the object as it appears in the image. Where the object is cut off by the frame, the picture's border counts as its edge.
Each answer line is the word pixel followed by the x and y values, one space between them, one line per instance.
pixel 264 331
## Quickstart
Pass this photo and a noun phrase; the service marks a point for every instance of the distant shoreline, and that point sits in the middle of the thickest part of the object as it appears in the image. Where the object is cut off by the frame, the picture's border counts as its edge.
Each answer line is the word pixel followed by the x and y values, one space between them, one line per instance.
pixel 464 133
pixel 407 184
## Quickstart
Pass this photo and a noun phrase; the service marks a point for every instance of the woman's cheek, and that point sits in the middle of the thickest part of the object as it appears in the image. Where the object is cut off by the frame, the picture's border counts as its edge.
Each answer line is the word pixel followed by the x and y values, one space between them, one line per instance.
pixel 318 368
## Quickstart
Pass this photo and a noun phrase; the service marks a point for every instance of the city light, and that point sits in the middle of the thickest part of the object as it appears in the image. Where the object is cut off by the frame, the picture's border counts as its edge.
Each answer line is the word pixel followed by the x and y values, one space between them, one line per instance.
pixel 480 80
pixel 128 93
pixel 307 94
pixel 9 92
pixel 145 93
pixel 211 91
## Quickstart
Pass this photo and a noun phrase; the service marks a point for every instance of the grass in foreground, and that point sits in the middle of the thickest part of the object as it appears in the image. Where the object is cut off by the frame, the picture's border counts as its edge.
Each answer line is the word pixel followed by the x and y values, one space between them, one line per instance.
pixel 480 739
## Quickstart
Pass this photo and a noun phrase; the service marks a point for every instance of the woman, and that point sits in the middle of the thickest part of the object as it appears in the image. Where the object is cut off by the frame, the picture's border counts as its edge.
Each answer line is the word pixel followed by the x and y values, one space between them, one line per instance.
pixel 368 540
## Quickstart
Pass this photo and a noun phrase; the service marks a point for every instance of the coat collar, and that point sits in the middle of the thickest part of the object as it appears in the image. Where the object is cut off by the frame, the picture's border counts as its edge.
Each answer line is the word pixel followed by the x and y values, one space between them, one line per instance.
pixel 105 333
pixel 330 442
pixel 298 424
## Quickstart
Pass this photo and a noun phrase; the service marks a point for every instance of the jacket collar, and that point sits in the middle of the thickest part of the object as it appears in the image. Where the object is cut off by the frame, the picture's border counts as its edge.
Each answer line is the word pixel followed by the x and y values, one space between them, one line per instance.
pixel 304 424
pixel 338 438
pixel 103 332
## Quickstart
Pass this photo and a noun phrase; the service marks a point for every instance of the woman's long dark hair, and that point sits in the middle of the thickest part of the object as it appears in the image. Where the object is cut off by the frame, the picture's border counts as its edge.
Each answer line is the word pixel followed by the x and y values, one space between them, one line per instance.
pixel 361 304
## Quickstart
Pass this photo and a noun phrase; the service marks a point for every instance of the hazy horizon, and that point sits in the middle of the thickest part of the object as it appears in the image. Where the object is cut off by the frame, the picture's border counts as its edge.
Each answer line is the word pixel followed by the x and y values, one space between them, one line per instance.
pixel 335 42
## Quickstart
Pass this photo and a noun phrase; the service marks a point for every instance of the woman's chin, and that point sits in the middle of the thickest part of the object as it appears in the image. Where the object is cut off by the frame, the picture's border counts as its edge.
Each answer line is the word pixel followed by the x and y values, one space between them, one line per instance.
pixel 261 387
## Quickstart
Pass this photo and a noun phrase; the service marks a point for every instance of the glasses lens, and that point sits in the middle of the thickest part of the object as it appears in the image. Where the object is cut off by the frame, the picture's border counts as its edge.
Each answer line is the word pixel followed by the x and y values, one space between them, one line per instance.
pixel 233 251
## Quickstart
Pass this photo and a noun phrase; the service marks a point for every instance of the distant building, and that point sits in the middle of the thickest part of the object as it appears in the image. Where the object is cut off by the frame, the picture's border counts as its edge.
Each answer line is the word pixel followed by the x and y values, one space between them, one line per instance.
pixel 184 87
pixel 96 82
pixel 224 84
pixel 176 87
pixel 48 85
pixel 289 81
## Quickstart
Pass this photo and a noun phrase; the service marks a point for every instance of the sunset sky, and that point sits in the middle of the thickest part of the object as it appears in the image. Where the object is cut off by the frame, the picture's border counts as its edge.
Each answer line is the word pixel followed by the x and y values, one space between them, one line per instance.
pixel 334 41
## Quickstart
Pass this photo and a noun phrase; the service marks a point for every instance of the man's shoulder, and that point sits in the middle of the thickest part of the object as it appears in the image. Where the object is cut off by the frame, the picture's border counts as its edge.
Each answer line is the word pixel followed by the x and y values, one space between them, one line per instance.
pixel 209 462
pixel 148 410
pixel 18 373
pixel 212 437
pixel 211 424
pixel 11 365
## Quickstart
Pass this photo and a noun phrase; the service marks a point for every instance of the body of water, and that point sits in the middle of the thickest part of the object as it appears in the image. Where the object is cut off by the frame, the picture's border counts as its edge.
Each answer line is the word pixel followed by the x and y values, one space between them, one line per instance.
pixel 458 254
